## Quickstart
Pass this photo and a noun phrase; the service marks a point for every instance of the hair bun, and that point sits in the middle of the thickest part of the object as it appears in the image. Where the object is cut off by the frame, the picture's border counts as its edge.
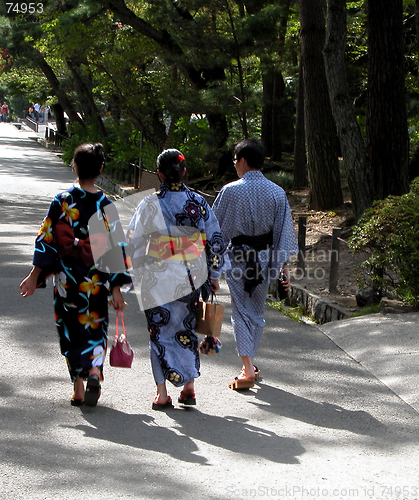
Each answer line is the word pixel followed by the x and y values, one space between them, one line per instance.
pixel 171 163
pixel 97 148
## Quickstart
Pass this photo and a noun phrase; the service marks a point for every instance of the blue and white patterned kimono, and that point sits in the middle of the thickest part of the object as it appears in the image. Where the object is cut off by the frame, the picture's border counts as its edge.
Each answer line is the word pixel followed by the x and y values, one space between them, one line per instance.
pixel 176 247
pixel 254 206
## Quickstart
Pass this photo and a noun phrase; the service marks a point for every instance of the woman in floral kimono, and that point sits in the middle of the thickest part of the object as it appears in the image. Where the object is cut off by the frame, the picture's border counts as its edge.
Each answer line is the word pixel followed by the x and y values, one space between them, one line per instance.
pixel 176 249
pixel 67 247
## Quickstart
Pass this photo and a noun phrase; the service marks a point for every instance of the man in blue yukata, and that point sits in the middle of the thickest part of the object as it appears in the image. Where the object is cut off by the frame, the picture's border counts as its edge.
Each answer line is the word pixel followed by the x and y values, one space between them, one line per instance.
pixel 255 219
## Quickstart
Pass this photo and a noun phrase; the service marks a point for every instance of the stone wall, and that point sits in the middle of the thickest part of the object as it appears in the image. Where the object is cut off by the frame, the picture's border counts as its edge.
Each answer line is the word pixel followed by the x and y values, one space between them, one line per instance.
pixel 317 308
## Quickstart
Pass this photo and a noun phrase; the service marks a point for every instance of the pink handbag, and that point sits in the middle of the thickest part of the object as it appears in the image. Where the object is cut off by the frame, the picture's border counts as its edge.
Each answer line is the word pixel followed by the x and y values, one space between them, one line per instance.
pixel 121 354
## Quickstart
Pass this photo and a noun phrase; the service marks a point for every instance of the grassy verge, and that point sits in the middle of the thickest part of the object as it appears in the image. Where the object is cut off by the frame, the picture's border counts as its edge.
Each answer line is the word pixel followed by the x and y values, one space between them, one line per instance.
pixel 295 313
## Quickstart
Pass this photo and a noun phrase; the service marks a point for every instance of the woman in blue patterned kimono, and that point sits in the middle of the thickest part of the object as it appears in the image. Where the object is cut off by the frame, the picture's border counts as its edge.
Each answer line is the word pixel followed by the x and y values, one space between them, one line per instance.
pixel 67 247
pixel 176 248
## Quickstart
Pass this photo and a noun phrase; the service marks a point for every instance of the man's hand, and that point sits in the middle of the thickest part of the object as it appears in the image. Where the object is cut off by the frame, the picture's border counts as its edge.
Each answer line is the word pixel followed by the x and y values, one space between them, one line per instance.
pixel 286 283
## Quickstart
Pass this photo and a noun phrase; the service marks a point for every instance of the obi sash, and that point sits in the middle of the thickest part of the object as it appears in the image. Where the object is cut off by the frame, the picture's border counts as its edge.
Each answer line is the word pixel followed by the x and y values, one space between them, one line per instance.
pixel 165 247
pixel 67 244
pixel 245 249
pixel 260 242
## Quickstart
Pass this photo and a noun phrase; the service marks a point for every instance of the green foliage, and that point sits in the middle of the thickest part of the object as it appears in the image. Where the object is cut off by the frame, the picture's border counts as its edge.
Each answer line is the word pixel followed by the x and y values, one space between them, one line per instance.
pixel 125 147
pixel 283 179
pixel 128 146
pixel 296 313
pixel 365 311
pixel 79 135
pixel 388 231
pixel 189 137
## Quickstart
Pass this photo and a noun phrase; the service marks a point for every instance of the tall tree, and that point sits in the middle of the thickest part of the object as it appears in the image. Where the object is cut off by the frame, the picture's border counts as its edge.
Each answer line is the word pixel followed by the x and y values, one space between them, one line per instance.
pixel 354 152
pixel 85 94
pixel 61 94
pixel 320 128
pixel 273 94
pixel 202 77
pixel 387 136
pixel 21 37
pixel 273 82
pixel 300 159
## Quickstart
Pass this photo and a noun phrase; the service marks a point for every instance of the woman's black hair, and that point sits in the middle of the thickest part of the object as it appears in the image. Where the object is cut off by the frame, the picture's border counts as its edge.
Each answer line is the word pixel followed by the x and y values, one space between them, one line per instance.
pixel 89 159
pixel 171 164
pixel 252 151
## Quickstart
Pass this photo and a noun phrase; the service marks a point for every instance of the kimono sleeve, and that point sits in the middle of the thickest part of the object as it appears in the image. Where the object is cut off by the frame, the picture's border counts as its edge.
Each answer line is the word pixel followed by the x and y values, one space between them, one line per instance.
pixel 115 259
pixel 45 254
pixel 284 239
pixel 220 208
pixel 215 246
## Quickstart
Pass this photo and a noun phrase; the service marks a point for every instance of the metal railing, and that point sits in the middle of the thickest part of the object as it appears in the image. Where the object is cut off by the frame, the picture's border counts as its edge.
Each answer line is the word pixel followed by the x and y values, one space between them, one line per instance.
pixel 51 135
pixel 31 124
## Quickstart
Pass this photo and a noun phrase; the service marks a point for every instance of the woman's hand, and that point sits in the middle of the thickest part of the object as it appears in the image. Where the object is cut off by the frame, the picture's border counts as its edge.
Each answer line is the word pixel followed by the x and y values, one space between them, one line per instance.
pixel 28 284
pixel 118 301
pixel 215 286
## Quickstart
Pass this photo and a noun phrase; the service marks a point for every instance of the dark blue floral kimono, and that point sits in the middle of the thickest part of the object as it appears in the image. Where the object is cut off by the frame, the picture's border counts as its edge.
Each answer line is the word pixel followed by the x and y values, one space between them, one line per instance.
pixel 176 248
pixel 81 285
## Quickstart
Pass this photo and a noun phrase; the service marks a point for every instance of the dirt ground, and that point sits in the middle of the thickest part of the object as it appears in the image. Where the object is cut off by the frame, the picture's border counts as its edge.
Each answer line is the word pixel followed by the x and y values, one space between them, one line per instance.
pixel 319 228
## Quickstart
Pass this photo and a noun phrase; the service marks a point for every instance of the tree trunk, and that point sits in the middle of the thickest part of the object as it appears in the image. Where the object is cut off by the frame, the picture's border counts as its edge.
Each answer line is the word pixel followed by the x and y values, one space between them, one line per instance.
pixel 417 27
pixel 300 160
pixel 84 94
pixel 59 119
pixel 320 128
pixel 55 86
pixel 273 94
pixel 354 153
pixel 273 88
pixel 216 143
pixel 387 137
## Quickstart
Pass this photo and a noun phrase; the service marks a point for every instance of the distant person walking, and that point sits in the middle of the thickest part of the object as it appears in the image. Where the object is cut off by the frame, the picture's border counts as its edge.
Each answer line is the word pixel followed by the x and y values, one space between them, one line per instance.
pixel 255 218
pixel 4 112
pixel 37 110
pixel 65 246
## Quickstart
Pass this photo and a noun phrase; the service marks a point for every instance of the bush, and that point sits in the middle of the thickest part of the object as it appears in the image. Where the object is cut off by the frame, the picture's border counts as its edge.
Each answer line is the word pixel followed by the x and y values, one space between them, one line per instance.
pixel 283 179
pixel 190 137
pixel 123 148
pixel 389 232
pixel 79 135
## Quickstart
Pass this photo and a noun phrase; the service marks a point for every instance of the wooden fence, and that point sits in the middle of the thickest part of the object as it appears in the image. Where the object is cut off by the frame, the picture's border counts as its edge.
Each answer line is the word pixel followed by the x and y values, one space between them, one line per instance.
pixel 334 254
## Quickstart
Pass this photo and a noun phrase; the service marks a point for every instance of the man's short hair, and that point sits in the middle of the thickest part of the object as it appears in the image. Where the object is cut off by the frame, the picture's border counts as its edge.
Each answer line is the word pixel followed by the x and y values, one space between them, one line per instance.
pixel 253 151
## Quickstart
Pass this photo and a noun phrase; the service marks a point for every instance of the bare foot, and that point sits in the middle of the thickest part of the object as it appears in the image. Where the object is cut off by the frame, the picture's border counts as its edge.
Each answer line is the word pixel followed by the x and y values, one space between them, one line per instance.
pixel 188 388
pixel 78 388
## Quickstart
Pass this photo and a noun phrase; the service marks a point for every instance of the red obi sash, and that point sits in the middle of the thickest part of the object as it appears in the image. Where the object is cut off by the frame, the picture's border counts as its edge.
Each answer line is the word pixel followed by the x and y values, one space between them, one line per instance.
pixel 67 244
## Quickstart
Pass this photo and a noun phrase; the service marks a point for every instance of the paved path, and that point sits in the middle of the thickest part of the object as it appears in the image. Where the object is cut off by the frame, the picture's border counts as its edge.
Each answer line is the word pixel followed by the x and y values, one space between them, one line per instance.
pixel 324 422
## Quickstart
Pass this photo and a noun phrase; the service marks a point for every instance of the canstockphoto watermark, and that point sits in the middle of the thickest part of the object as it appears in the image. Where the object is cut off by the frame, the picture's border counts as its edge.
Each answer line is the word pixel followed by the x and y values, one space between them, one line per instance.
pixel 302 491
pixel 174 255
pixel 316 265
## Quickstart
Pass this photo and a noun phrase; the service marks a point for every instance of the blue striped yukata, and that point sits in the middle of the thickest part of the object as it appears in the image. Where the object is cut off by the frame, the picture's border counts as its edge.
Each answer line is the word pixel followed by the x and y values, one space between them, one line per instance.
pixel 254 206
